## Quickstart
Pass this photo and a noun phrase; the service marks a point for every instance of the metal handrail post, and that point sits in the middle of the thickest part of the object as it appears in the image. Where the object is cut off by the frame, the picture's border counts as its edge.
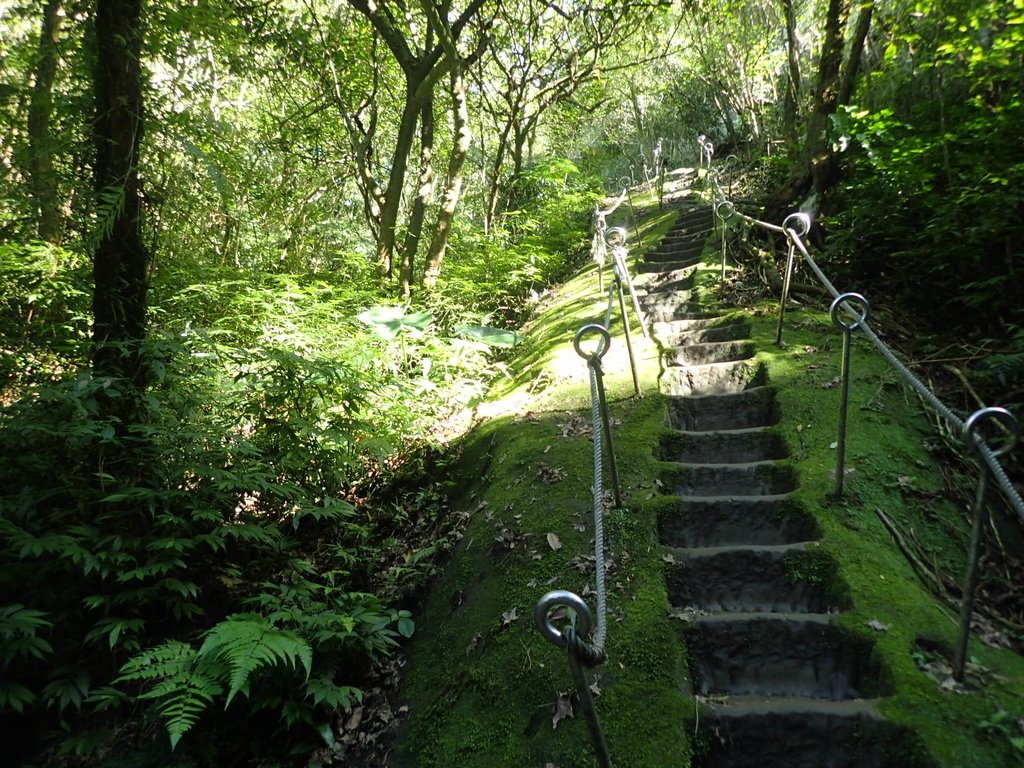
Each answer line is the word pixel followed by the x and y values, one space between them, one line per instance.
pixel 844 375
pixel 571 638
pixel 587 701
pixel 977 526
pixel 730 209
pixel 629 341
pixel 805 223
pixel 620 256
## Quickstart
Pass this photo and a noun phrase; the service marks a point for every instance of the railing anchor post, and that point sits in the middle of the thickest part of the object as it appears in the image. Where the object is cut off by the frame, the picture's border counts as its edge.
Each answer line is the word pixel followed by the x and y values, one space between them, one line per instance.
pixel 977 525
pixel 789 225
pixel 844 373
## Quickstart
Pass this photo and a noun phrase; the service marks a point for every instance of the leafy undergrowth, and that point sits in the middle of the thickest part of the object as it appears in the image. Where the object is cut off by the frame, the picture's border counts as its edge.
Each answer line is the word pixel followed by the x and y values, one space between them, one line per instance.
pixel 485 689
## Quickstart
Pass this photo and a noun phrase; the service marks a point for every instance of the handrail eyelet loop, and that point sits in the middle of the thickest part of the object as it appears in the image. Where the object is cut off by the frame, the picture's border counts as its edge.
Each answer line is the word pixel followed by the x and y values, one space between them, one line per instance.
pixel 562 598
pixel 851 298
pixel 615 236
pixel 803 219
pixel 602 347
pixel 995 413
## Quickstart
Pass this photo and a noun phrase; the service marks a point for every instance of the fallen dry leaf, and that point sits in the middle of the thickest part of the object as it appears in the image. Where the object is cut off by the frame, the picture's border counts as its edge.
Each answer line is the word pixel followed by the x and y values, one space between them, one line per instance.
pixel 554 542
pixel 562 709
pixel 508 617
pixel 354 719
pixel 878 626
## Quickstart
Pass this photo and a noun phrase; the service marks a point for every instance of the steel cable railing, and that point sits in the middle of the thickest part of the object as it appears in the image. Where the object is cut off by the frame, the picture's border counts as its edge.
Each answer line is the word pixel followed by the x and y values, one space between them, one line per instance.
pixel 795 228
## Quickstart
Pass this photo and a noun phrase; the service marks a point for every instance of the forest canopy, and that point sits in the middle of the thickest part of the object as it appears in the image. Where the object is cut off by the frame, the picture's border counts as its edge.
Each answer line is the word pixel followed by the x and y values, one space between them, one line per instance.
pixel 260 259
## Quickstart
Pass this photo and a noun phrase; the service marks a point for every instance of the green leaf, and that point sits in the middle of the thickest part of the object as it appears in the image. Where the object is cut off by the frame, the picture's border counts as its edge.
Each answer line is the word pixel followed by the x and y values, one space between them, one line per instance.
pixel 247 643
pixel 388 322
pixel 15 696
pixel 492 337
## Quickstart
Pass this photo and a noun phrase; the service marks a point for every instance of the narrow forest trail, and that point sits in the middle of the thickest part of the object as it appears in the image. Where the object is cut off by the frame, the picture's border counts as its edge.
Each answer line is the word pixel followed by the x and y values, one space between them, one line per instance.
pixel 783 685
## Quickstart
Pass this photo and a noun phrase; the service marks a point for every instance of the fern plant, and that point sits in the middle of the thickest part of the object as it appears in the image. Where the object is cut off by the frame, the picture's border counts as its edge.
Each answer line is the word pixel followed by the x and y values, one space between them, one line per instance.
pixel 187 680
pixel 18 640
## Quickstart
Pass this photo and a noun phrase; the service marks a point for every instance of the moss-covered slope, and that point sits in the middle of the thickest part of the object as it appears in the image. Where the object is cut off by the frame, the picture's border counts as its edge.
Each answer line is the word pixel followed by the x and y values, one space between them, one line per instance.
pixel 482 683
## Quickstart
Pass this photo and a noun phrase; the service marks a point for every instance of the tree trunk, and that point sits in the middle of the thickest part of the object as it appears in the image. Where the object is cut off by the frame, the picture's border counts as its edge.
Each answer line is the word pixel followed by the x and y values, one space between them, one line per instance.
pixel 419 206
pixel 860 34
pixel 791 106
pixel 396 182
pixel 42 179
pixel 439 242
pixel 120 261
pixel 494 187
pixel 826 98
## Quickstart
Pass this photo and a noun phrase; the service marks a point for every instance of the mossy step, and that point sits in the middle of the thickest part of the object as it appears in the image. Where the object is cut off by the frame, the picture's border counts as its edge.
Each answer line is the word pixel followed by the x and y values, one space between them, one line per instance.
pixel 649 267
pixel 706 352
pixel 674 251
pixel 722 447
pixel 690 226
pixel 730 332
pixel 749 405
pixel 696 212
pixel 760 520
pixel 801 655
pixel 752 732
pixel 699 321
pixel 659 307
pixel 748 579
pixel 713 379
pixel 747 479
pixel 668 280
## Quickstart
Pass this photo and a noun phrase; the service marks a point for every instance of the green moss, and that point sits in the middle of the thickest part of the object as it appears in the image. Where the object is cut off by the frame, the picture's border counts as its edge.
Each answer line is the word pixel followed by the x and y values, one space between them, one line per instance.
pixel 481 689
pixel 889 468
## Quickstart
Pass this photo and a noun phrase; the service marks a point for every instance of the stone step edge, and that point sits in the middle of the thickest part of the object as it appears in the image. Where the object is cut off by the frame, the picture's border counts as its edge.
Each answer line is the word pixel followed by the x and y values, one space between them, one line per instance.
pixel 695 553
pixel 740 617
pixel 726 465
pixel 742 497
pixel 755 706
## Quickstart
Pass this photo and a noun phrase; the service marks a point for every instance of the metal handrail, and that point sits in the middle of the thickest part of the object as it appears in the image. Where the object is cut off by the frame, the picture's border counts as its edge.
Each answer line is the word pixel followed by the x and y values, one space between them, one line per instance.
pixel 795 228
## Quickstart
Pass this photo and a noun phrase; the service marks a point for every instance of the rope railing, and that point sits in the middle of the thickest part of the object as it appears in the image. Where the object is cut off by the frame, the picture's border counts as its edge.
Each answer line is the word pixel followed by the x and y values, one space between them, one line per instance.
pixel 795 227
pixel 572 638
pixel 598 244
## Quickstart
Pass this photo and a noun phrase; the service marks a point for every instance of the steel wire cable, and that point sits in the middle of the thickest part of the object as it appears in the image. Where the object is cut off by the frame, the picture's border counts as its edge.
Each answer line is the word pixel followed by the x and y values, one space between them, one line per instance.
pixel 991 460
pixel 986 452
pixel 955 421
pixel 598 496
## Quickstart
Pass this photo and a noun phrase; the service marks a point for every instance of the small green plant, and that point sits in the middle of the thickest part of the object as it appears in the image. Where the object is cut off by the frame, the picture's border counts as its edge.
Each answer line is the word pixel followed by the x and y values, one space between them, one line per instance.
pixel 1003 725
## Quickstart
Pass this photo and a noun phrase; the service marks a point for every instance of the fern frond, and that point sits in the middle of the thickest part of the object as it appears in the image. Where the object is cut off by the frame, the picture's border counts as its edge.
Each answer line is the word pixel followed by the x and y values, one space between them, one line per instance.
pixel 186 685
pixel 168 660
pixel 326 692
pixel 247 642
pixel 184 696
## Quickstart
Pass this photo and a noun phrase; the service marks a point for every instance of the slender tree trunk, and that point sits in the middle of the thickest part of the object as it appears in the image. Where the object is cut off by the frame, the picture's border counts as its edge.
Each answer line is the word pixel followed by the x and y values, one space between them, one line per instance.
pixel 463 137
pixel 42 178
pixel 853 60
pixel 826 97
pixel 494 188
pixel 423 195
pixel 396 181
pixel 120 261
pixel 790 113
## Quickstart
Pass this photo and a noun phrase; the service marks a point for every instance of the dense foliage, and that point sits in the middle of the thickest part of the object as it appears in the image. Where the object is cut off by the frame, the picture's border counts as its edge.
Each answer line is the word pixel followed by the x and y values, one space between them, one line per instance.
pixel 338 211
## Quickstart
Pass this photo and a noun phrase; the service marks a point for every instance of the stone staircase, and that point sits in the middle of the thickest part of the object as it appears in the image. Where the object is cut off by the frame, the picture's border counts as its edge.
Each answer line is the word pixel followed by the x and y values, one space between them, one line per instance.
pixel 781 683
